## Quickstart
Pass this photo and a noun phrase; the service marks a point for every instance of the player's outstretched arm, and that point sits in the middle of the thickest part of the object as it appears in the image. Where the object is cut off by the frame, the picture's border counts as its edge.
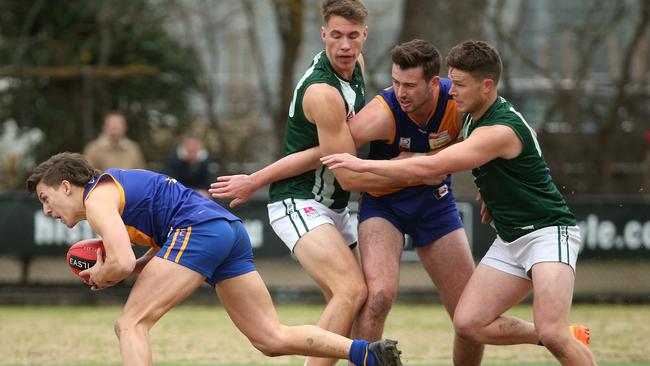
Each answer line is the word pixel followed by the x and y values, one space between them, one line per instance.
pixel 485 144
pixel 242 186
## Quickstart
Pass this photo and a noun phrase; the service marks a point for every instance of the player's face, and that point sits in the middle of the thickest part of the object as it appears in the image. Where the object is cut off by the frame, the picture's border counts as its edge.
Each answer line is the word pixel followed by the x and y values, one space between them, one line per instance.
pixel 466 90
pixel 411 89
pixel 343 42
pixel 60 203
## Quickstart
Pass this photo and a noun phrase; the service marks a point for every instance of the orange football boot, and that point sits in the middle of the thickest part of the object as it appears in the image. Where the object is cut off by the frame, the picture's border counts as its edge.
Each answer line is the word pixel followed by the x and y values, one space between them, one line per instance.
pixel 581 332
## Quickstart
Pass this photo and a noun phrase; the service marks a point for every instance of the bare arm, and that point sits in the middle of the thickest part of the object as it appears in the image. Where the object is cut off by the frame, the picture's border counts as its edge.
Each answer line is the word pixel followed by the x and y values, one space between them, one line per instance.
pixel 323 104
pixel 241 187
pixel 485 144
pixel 143 260
pixel 102 212
pixel 373 122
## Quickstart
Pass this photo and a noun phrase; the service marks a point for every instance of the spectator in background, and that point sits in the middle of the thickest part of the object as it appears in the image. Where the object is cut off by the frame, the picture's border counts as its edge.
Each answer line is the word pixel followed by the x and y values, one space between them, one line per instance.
pixel 191 165
pixel 112 149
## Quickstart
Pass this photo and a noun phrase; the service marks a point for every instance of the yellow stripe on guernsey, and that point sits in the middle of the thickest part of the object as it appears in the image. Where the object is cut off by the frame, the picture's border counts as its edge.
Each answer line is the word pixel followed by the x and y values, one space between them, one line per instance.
pixel 117 184
pixel 450 122
pixel 171 246
pixel 187 239
pixel 140 238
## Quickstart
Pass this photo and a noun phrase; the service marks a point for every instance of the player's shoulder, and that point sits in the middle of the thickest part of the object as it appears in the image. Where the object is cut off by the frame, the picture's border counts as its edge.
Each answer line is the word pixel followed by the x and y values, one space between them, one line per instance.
pixel 321 93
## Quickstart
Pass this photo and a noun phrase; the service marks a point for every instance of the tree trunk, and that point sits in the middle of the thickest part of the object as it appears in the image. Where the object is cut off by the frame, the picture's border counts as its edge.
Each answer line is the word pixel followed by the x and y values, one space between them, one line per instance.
pixel 444 23
pixel 289 18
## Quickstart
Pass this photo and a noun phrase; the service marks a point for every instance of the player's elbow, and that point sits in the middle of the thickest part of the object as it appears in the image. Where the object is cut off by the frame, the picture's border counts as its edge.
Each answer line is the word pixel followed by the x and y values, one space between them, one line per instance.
pixel 348 184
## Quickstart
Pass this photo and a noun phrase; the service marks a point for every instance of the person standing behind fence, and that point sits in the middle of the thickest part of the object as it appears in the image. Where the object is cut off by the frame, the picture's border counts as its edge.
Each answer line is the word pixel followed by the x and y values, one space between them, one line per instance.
pixel 191 165
pixel 112 149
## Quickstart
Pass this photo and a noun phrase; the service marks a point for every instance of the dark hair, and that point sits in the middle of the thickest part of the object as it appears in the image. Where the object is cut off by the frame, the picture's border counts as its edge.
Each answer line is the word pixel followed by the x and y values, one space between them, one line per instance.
pixel 478 58
pixel 417 53
pixel 114 113
pixel 68 166
pixel 352 10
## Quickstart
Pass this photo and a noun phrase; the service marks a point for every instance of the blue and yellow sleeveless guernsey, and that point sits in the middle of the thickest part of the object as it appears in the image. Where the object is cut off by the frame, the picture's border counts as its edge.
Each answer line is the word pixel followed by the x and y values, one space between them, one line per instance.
pixel 519 193
pixel 182 225
pixel 424 212
pixel 319 184
pixel 153 205
pixel 441 129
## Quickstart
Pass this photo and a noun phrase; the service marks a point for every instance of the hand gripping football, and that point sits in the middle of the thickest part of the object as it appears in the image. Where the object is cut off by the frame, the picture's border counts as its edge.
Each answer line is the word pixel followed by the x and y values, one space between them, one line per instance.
pixel 83 255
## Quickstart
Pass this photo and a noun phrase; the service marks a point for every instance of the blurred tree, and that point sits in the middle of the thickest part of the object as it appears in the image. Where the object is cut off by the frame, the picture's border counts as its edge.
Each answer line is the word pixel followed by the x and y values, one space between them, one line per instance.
pixel 210 27
pixel 289 21
pixel 444 23
pixel 67 62
pixel 597 108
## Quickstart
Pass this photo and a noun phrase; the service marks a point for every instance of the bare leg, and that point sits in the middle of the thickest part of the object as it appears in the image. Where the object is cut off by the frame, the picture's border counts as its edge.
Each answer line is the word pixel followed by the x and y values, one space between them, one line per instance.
pixel 250 307
pixel 161 285
pixel 381 246
pixel 449 263
pixel 487 295
pixel 553 287
pixel 323 253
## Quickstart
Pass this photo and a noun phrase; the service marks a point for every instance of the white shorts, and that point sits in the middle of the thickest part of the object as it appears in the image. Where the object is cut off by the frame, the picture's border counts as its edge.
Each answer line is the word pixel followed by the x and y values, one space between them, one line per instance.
pixel 292 218
pixel 549 244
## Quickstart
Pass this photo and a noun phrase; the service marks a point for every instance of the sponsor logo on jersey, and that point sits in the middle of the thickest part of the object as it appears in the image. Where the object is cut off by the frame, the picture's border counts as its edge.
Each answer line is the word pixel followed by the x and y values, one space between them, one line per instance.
pixel 311 212
pixel 404 144
pixel 441 191
pixel 438 140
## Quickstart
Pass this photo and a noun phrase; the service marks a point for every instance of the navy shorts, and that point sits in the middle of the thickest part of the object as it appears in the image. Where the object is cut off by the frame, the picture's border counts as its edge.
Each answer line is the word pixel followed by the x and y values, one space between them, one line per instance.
pixel 217 249
pixel 425 213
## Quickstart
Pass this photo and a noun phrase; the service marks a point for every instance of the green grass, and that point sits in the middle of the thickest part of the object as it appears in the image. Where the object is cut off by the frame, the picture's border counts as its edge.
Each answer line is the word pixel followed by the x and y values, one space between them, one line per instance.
pixel 203 335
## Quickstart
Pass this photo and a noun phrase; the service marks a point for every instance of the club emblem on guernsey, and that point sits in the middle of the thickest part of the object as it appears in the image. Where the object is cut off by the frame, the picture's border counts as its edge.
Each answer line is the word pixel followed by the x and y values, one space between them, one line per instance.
pixel 311 212
pixel 404 143
pixel 441 191
pixel 438 140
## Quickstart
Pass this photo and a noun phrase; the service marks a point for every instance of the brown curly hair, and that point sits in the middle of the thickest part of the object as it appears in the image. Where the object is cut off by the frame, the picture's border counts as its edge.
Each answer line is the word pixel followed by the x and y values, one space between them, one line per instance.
pixel 68 166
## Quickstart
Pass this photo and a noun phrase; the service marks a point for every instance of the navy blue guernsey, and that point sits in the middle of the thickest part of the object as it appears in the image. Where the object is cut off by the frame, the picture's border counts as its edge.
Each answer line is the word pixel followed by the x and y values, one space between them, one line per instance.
pixel 441 129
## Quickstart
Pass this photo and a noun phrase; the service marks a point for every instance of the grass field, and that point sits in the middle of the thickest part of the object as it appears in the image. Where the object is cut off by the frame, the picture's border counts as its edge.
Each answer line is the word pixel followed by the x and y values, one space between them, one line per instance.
pixel 202 335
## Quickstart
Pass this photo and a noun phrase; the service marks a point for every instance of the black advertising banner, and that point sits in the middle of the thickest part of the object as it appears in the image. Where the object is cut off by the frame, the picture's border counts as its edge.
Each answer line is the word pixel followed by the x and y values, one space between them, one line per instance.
pixel 611 227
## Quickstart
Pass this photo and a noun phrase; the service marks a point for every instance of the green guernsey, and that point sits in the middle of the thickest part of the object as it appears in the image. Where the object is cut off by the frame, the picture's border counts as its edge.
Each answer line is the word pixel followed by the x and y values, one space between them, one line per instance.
pixel 319 184
pixel 519 193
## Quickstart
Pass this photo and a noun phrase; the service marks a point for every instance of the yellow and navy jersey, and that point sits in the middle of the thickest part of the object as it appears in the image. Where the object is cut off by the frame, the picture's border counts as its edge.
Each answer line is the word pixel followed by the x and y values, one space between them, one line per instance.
pixel 442 129
pixel 153 205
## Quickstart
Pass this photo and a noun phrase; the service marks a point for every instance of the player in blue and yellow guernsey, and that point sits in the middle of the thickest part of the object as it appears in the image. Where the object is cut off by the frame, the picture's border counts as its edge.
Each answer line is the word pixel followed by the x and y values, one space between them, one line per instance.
pixel 537 240
pixel 417 115
pixel 192 240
